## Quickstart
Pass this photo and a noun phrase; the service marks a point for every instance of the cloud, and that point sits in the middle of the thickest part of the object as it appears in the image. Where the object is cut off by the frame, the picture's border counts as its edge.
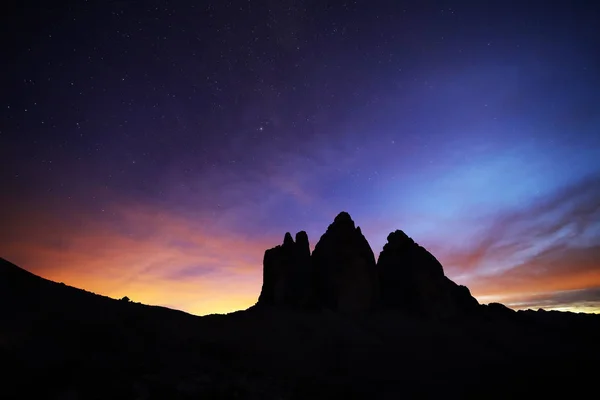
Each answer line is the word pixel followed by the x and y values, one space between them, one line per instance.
pixel 148 254
pixel 580 300
pixel 556 269
pixel 550 246
pixel 569 216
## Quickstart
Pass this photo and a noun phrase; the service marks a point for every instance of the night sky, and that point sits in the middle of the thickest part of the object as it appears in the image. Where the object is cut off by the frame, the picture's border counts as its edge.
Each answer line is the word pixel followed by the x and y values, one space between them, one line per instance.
pixel 155 149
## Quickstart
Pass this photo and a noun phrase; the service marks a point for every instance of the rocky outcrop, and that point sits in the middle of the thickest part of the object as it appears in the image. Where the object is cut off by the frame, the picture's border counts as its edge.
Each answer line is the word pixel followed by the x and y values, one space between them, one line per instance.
pixel 287 273
pixel 344 268
pixel 342 275
pixel 413 280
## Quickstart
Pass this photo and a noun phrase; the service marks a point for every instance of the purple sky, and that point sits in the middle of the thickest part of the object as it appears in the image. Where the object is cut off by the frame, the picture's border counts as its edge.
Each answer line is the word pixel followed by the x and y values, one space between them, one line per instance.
pixel 157 149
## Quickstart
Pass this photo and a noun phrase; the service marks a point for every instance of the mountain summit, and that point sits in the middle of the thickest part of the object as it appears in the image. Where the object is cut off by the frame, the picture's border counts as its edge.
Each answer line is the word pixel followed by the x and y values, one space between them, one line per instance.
pixel 342 275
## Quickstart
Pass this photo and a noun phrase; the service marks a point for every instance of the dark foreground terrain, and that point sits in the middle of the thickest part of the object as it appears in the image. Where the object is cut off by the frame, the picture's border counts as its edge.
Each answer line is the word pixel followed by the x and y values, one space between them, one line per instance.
pixel 60 342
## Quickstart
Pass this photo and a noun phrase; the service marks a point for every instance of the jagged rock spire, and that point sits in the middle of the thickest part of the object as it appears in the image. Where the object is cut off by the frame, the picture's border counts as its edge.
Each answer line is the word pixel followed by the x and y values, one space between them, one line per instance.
pixel 344 265
pixel 287 273
pixel 341 274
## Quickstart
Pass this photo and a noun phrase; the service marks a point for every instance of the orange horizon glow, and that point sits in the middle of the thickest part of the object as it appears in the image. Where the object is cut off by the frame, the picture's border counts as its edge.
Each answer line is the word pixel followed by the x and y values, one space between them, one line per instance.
pixel 171 261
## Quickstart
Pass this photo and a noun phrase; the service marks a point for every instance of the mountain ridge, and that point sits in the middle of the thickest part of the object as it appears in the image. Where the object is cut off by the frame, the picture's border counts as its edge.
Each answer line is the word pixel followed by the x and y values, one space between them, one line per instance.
pixel 61 342
pixel 343 274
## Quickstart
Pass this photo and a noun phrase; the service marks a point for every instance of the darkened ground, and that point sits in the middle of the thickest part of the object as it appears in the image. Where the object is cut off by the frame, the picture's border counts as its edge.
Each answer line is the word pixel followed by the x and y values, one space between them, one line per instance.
pixel 65 343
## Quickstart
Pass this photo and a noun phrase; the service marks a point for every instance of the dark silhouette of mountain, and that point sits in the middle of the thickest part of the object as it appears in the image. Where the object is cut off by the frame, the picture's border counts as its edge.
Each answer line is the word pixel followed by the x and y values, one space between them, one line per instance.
pixel 287 273
pixel 344 268
pixel 334 324
pixel 342 275
pixel 413 280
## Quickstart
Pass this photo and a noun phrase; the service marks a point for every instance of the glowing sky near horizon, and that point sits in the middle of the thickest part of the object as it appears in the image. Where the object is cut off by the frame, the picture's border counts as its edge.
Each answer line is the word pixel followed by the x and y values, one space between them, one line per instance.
pixel 155 150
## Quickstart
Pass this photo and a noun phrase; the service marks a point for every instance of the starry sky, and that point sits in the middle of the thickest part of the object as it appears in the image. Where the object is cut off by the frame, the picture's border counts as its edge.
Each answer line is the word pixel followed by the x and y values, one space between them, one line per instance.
pixel 155 149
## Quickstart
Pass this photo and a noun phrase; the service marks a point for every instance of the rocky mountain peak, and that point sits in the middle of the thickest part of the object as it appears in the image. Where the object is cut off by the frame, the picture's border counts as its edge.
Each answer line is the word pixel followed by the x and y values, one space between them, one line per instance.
pixel 341 274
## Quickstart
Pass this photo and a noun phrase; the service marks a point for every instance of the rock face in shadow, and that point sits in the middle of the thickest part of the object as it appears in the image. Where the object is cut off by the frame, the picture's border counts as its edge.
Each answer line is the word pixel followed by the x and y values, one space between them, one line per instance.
pixel 342 275
pixel 287 273
pixel 344 268
pixel 413 280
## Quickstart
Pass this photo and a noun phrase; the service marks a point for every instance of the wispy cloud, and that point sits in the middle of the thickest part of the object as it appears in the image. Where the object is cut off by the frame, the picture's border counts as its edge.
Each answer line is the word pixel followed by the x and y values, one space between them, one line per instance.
pixel 579 300
pixel 552 245
pixel 151 256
